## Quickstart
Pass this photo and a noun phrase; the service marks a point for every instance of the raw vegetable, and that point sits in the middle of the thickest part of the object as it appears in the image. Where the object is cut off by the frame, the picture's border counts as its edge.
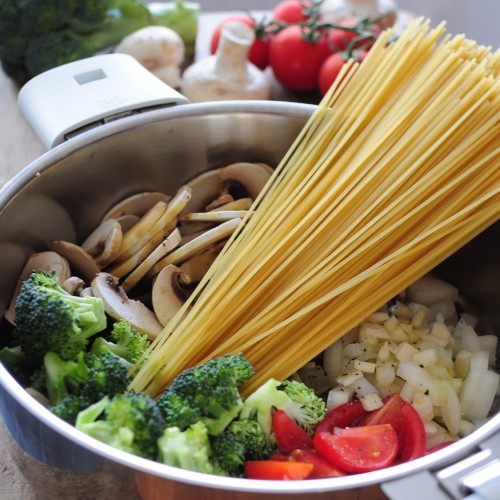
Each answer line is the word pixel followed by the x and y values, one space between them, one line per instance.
pixel 40 34
pixel 278 470
pixel 359 449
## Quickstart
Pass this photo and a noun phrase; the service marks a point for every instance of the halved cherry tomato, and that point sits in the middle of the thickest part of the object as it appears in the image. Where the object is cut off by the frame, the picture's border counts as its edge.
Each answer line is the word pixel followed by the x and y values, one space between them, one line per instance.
pixel 290 11
pixel 259 51
pixel 405 421
pixel 322 468
pixel 346 415
pixel 277 470
pixel 289 435
pixel 359 449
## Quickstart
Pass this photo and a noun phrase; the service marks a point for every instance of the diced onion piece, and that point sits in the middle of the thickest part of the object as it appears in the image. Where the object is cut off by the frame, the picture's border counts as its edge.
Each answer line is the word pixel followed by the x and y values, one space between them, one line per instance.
pixel 425 357
pixel 466 427
pixel 364 366
pixel 489 343
pixel 338 396
pixel 349 377
pixel 405 351
pixel 371 402
pixel 478 392
pixel 408 392
pixel 424 407
pixel 479 360
pixel 441 332
pixel 451 409
pixel 462 363
pixel 385 374
pixel 360 351
pixel 363 387
pixel 332 361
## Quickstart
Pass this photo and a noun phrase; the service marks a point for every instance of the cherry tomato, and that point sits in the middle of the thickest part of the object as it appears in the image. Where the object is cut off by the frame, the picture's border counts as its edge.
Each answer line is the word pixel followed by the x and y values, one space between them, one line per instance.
pixel 289 435
pixel 295 61
pixel 290 11
pixel 405 421
pixel 359 449
pixel 322 468
pixel 329 71
pixel 259 51
pixel 346 415
pixel 277 470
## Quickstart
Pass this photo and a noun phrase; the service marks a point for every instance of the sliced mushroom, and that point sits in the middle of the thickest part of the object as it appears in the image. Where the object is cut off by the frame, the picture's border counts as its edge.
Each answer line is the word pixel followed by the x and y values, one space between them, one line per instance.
pixel 166 246
pixel 137 204
pixel 143 225
pixel 121 269
pixel 243 179
pixel 239 204
pixel 80 261
pixel 196 267
pixel 127 221
pixel 214 216
pixel 197 245
pixel 168 295
pixel 74 285
pixel 104 242
pixel 119 306
pixel 205 188
pixel 169 217
pixel 45 261
pixel 221 200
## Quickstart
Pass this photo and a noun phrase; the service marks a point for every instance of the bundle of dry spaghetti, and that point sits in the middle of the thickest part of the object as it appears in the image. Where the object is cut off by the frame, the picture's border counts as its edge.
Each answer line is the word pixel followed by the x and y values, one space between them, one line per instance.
pixel 397 168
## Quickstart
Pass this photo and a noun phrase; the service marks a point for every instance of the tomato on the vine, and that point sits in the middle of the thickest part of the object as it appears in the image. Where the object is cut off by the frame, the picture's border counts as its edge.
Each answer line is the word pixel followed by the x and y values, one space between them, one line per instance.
pixel 340 39
pixel 296 61
pixel 259 51
pixel 329 71
pixel 291 11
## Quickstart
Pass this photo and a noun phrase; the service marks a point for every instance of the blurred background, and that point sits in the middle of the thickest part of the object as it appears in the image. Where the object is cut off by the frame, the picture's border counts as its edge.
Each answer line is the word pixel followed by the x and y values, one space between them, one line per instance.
pixel 478 19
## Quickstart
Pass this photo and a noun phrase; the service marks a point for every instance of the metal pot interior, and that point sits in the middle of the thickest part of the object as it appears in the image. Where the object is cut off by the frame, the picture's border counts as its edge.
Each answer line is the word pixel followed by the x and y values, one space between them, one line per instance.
pixel 63 194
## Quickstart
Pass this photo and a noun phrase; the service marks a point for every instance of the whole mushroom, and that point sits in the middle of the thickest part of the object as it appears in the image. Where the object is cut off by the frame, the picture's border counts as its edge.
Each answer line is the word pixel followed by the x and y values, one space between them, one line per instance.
pixel 159 49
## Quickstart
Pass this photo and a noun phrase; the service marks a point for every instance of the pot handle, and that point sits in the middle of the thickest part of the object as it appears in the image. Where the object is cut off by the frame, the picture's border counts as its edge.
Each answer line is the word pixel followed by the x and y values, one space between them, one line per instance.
pixel 476 477
pixel 69 99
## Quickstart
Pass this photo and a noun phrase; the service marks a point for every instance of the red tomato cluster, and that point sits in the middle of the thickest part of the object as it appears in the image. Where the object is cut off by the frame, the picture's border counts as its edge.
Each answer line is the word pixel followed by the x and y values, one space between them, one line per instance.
pixel 349 440
pixel 304 52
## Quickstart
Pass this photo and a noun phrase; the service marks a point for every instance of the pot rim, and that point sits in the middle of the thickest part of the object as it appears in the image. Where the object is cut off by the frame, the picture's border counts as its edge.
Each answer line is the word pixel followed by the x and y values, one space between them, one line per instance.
pixel 437 460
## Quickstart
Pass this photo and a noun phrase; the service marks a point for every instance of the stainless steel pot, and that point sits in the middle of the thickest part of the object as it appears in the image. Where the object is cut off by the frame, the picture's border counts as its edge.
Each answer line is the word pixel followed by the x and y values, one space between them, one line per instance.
pixel 62 196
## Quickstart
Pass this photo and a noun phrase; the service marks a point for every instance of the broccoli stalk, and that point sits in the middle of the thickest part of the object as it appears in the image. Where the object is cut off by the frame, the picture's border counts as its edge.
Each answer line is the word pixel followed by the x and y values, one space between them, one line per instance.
pixel 49 319
pixel 130 422
pixel 40 34
pixel 297 400
pixel 188 449
pixel 208 393
pixel 124 342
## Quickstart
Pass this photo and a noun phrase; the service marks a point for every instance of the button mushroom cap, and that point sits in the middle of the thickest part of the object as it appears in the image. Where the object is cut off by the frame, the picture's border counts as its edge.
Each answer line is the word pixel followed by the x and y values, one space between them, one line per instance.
pixel 159 49
pixel 167 294
pixel 119 306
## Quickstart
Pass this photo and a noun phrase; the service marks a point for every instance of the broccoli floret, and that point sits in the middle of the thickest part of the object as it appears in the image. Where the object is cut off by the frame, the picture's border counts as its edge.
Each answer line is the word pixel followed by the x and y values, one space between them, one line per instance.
pixel 49 319
pixel 40 34
pixel 242 440
pixel 297 400
pixel 63 375
pixel 188 449
pixel 125 342
pixel 208 393
pixel 130 422
pixel 96 376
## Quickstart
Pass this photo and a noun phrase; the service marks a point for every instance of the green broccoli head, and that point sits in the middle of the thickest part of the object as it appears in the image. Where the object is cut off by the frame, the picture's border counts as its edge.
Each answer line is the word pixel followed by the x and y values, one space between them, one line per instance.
pixel 125 342
pixel 207 393
pixel 188 449
pixel 242 440
pixel 40 34
pixel 49 319
pixel 298 401
pixel 130 422
pixel 73 386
